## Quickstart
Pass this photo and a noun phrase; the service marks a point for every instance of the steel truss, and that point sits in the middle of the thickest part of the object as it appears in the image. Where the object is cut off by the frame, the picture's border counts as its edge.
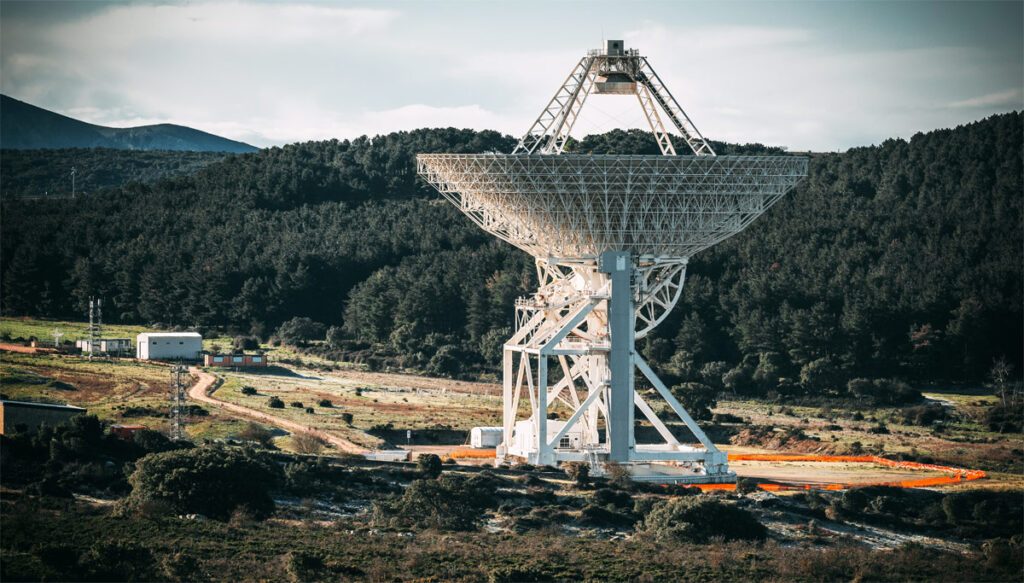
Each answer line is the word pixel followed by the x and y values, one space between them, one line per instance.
pixel 550 132
pixel 611 237
pixel 562 352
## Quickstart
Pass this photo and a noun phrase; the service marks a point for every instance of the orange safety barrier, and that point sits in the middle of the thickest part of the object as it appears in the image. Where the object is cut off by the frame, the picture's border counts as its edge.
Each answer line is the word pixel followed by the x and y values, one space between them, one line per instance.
pixel 956 475
pixel 472 454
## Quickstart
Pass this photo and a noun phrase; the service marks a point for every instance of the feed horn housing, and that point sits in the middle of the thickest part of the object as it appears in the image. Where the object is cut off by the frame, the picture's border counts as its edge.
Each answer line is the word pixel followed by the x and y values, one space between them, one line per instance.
pixel 611 236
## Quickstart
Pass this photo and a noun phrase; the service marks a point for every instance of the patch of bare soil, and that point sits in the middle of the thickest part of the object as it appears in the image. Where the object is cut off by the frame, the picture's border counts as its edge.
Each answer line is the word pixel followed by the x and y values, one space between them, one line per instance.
pixel 788 439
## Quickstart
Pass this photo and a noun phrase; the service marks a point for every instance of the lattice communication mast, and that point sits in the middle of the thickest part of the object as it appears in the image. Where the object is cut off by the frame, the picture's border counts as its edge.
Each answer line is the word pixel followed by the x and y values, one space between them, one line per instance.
pixel 611 236
pixel 179 404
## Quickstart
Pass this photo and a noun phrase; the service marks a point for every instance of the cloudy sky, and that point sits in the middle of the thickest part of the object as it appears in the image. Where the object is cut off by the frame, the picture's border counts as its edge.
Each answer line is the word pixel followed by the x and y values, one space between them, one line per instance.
pixel 807 75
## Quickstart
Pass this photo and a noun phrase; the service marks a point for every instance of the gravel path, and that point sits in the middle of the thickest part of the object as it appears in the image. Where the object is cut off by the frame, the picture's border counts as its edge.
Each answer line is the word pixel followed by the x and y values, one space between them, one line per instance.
pixel 202 392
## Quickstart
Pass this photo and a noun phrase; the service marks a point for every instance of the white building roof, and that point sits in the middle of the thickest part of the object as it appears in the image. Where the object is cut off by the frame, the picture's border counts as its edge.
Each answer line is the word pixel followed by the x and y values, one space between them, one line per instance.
pixel 146 335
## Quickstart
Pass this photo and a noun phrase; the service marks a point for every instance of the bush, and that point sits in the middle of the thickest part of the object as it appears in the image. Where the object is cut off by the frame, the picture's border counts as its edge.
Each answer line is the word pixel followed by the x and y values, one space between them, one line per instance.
pixel 746 485
pixel 326 403
pixel 310 410
pixel 246 343
pixel 297 404
pixel 1005 419
pixel 593 515
pixel 696 398
pixel 924 415
pixel 347 418
pixel 275 403
pixel 247 390
pixel 578 472
pixel 335 337
pixel 446 503
pixel 307 443
pixel 299 331
pixel 212 481
pixel 429 465
pixel 883 391
pixel 257 433
pixel 699 519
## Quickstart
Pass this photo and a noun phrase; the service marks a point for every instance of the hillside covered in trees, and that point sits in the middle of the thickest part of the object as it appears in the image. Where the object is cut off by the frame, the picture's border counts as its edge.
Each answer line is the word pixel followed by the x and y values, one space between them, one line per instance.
pixel 897 260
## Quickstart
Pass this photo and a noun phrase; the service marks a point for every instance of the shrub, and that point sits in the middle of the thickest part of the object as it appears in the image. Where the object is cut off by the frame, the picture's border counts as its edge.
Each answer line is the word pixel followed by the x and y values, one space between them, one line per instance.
pixel 212 481
pixel 335 337
pixel 246 343
pixel 699 519
pixel 446 503
pixel 578 472
pixel 326 403
pixel 924 415
pixel 347 418
pixel 746 485
pixel 275 403
pixel 257 433
pixel 247 390
pixel 610 497
pixel 593 515
pixel 696 398
pixel 618 474
pixel 297 404
pixel 429 465
pixel 300 330
pixel 879 429
pixel 307 443
pixel 1005 419
pixel 883 391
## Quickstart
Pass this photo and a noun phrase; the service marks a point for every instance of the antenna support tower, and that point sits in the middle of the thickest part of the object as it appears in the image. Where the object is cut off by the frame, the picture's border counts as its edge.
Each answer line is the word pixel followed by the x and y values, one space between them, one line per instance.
pixel 95 325
pixel 611 236
pixel 179 375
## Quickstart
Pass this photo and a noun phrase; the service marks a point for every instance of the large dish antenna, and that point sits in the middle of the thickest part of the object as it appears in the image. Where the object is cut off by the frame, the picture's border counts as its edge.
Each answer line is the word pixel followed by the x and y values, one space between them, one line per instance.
pixel 611 237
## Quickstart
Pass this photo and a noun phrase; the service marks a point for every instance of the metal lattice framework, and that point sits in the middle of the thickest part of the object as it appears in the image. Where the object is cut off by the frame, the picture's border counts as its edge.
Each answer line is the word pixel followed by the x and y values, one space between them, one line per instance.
pixel 611 236
pixel 577 206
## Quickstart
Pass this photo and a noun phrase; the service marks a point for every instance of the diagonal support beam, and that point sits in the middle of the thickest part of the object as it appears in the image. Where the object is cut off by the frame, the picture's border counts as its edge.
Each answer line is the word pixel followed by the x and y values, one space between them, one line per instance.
pixel 575 417
pixel 653 418
pixel 678 408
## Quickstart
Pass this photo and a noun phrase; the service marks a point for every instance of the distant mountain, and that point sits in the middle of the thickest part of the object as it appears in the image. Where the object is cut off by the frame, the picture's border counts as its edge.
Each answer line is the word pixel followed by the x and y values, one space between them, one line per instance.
pixel 25 126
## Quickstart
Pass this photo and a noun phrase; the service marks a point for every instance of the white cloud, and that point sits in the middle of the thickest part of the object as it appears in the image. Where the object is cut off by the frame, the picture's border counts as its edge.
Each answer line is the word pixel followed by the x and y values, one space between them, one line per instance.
pixel 271 73
pixel 1010 97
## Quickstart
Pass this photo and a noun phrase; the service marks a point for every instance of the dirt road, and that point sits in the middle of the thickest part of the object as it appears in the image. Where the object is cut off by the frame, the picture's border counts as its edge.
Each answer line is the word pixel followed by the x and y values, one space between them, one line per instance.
pixel 201 392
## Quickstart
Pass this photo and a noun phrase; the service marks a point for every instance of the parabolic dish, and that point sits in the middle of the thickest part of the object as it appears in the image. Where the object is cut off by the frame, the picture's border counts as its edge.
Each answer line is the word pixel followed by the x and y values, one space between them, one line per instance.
pixel 578 206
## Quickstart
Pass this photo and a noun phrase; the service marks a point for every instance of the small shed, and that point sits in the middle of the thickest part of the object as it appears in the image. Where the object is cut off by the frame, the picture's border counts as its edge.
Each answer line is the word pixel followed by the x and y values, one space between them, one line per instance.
pixel 485 437
pixel 168 346
pixel 27 415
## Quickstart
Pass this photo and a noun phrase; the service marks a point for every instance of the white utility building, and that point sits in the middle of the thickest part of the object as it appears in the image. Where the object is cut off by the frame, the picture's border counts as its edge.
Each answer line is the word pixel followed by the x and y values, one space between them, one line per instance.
pixel 168 346
pixel 485 437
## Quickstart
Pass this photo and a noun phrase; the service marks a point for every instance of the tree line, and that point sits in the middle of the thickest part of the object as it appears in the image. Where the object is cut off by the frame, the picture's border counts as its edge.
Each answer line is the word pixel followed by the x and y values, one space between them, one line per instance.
pixel 896 260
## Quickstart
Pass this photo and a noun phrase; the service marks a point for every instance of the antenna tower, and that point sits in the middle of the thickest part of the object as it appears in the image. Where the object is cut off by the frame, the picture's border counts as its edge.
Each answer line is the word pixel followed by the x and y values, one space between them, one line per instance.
pixel 611 236
pixel 178 400
pixel 95 325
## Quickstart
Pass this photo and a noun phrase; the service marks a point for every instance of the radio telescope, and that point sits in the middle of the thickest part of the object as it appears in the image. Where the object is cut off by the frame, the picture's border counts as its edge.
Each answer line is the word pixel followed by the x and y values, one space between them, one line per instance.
pixel 611 236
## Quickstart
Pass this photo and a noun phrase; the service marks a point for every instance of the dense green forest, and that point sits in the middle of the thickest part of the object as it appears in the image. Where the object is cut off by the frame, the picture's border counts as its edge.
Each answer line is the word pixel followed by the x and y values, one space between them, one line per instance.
pixel 39 173
pixel 902 259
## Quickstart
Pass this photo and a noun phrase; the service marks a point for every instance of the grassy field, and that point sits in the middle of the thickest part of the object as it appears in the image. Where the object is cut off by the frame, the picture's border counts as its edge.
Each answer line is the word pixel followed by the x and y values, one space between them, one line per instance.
pixel 117 390
pixel 370 405
pixel 43 329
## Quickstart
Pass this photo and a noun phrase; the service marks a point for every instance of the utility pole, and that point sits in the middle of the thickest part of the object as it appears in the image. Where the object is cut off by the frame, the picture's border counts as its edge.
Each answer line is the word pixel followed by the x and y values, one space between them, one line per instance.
pixel 73 172
pixel 178 382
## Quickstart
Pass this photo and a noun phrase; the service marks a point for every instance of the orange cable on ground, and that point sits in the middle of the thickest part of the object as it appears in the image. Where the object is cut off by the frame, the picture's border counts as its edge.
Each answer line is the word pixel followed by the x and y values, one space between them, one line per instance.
pixel 955 475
